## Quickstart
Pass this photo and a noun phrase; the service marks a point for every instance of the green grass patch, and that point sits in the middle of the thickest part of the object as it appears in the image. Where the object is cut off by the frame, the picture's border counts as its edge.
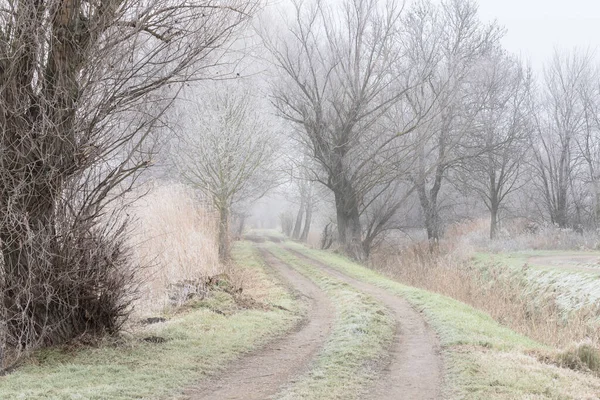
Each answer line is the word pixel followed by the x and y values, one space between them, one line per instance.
pixel 480 373
pixel 483 359
pixel 197 343
pixel 455 322
pixel 362 333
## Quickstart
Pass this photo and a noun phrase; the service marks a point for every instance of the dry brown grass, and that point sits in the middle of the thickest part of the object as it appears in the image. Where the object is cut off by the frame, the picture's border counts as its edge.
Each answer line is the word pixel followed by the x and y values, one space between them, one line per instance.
pixel 502 293
pixel 506 294
pixel 175 238
pixel 519 234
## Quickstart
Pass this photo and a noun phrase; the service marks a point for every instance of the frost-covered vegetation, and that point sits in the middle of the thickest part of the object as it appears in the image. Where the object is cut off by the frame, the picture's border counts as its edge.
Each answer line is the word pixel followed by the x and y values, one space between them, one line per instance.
pixel 140 138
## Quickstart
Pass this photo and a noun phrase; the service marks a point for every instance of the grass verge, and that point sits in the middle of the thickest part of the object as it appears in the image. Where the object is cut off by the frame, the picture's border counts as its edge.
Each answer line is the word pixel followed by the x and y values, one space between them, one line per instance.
pixel 483 358
pixel 362 333
pixel 197 342
pixel 574 288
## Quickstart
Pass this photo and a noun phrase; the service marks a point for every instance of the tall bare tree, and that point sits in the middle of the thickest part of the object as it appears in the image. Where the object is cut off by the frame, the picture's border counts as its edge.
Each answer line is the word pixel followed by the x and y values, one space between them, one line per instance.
pixel 561 125
pixel 341 69
pixel 83 85
pixel 227 152
pixel 452 32
pixel 500 134
pixel 588 147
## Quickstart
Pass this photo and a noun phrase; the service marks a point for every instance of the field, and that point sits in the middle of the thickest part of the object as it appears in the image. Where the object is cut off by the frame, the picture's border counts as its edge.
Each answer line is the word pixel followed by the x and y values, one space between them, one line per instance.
pixel 288 322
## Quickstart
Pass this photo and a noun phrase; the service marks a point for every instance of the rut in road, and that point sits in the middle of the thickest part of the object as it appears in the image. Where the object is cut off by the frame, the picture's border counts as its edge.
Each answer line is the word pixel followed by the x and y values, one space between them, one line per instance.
pixel 264 373
pixel 415 368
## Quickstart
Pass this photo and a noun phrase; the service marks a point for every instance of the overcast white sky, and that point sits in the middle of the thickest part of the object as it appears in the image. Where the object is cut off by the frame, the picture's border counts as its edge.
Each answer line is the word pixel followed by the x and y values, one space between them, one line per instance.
pixel 536 27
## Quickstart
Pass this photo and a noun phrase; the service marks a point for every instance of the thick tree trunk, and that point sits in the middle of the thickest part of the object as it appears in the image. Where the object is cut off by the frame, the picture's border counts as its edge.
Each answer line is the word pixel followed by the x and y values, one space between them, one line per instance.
pixel 28 249
pixel 562 216
pixel 433 224
pixel 52 265
pixel 349 227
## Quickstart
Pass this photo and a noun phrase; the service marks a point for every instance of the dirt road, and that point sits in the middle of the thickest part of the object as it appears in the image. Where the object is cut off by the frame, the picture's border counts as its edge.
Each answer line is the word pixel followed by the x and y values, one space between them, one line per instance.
pixel 260 375
pixel 415 367
pixel 413 370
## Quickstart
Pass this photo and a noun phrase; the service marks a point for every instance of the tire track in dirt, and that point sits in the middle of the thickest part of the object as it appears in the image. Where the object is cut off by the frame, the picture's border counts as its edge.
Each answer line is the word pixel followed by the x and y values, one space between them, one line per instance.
pixel 414 369
pixel 263 373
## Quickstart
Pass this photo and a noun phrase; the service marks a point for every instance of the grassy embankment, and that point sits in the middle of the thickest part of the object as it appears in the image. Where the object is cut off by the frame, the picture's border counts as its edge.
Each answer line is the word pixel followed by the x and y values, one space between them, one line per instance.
pixel 483 359
pixel 199 340
pixel 575 284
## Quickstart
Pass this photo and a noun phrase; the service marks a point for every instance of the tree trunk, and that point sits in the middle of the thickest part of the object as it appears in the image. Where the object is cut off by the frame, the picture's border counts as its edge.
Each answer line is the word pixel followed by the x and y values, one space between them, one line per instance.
pixel 431 213
pixel 224 250
pixel 493 221
pixel 432 224
pixel 349 227
pixel 241 225
pixel 28 250
pixel 307 222
pixel 560 215
pixel 299 217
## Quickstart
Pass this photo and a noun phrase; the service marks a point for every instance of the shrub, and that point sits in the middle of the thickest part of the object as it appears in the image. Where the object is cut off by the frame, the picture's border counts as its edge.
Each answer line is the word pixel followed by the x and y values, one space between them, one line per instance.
pixel 582 357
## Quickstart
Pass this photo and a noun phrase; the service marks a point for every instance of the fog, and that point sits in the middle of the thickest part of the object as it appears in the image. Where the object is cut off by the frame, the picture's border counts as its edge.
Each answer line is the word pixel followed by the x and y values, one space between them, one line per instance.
pixel 354 125
pixel 536 27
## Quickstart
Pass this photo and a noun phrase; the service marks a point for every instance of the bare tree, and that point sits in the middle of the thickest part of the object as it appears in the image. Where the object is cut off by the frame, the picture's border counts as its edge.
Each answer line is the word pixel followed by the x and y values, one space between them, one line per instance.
pixel 227 152
pixel 453 32
pixel 301 191
pixel 306 192
pixel 341 69
pixel 588 142
pixel 561 123
pixel 500 132
pixel 83 85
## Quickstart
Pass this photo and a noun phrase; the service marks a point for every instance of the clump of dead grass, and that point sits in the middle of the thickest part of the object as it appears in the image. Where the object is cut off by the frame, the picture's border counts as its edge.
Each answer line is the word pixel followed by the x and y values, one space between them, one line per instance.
pixel 584 357
pixel 175 238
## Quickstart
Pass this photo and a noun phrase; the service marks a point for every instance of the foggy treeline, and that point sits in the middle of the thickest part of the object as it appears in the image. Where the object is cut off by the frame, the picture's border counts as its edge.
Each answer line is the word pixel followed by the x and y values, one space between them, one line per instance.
pixel 415 116
pixel 373 116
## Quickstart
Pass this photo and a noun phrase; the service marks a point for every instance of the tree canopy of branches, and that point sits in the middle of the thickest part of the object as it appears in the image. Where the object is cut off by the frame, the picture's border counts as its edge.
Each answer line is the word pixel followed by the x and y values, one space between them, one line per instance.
pixel 564 140
pixel 227 153
pixel 342 69
pixel 453 32
pixel 82 87
pixel 499 137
